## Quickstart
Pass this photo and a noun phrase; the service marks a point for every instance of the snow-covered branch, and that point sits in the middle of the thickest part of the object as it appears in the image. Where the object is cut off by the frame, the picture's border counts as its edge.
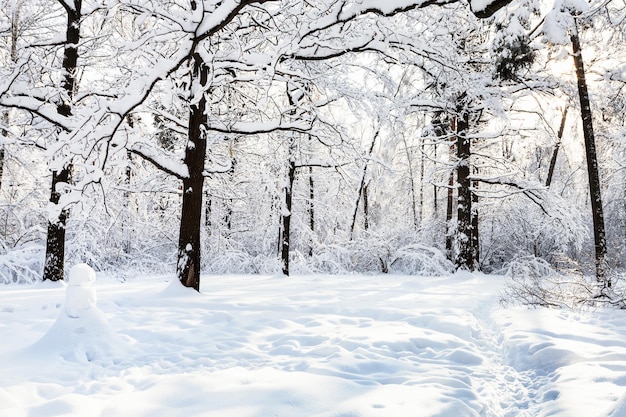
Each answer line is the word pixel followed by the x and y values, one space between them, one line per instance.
pixel 253 128
pixel 216 20
pixel 159 159
pixel 43 109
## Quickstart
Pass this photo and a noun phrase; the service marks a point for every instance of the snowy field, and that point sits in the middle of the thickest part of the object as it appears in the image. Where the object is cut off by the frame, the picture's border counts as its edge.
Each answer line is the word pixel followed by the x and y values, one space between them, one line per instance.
pixel 350 346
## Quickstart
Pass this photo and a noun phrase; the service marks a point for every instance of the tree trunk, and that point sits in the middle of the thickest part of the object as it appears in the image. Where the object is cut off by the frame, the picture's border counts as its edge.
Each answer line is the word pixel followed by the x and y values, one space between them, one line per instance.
pixel 285 236
pixel 188 266
pixel 5 134
pixel 6 120
pixel 366 209
pixel 418 215
pixel 207 211
pixel 466 251
pixel 435 188
pixel 362 184
pixel 592 163
pixel 415 211
pixel 228 203
pixel 311 210
pixel 128 228
pixel 450 197
pixel 475 237
pixel 55 241
pixel 15 28
pixel 555 152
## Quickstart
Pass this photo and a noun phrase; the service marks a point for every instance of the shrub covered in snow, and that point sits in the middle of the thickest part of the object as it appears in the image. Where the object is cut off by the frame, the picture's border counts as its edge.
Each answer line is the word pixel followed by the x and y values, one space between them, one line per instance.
pixel 21 265
pixel 375 254
pixel 535 282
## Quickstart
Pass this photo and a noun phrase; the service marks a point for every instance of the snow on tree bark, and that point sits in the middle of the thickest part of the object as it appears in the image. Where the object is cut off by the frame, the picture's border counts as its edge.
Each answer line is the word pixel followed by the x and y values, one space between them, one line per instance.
pixel 55 242
pixel 466 256
pixel 188 265
pixel 286 212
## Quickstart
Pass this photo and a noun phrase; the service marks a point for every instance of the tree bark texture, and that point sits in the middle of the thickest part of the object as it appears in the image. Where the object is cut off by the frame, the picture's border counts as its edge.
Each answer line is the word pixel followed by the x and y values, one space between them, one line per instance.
pixel 295 96
pixel 366 209
pixel 418 214
pixel 555 152
pixel 450 202
pixel 311 210
pixel 435 189
pixel 55 241
pixel 595 194
pixel 466 255
pixel 228 203
pixel 362 184
pixel 285 236
pixel 188 266
pixel 415 211
pixel 6 119
pixel 475 237
pixel 207 212
pixel 5 134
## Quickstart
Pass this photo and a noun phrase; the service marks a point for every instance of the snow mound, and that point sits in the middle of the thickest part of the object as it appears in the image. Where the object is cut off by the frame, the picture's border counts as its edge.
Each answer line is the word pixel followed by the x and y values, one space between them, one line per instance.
pixel 81 332
pixel 83 339
pixel 176 289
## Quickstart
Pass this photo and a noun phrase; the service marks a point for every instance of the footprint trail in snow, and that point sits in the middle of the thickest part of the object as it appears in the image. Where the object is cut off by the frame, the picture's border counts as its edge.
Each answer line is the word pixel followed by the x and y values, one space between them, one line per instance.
pixel 317 346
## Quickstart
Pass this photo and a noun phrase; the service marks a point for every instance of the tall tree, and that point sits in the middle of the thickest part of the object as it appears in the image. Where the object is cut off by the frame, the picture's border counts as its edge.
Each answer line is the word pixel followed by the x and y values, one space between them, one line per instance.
pixel 55 242
pixel 595 187
pixel 189 235
pixel 14 18
pixel 561 26
pixel 467 246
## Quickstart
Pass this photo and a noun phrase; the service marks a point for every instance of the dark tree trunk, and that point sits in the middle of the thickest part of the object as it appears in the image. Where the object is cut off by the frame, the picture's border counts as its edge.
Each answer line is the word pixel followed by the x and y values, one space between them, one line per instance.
pixel 450 197
pixel 207 211
pixel 128 228
pixel 362 185
pixel 188 266
pixel 475 237
pixel 228 203
pixel 5 133
pixel 70 56
pixel 466 256
pixel 449 211
pixel 435 188
pixel 555 152
pixel 285 236
pixel 366 209
pixel 592 163
pixel 418 215
pixel 55 242
pixel 311 210
pixel 355 213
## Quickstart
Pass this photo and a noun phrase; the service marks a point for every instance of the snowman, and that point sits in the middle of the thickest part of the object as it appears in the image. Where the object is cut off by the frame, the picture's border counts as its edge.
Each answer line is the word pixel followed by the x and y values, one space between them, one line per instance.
pixel 80 294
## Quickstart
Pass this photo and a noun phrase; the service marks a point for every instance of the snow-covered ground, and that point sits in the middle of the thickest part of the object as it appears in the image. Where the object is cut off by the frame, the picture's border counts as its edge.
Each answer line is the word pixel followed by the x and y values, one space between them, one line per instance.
pixel 311 346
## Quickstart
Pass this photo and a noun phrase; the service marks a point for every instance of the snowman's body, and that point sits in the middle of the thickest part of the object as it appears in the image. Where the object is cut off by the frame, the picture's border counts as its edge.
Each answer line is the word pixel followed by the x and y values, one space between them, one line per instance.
pixel 80 294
